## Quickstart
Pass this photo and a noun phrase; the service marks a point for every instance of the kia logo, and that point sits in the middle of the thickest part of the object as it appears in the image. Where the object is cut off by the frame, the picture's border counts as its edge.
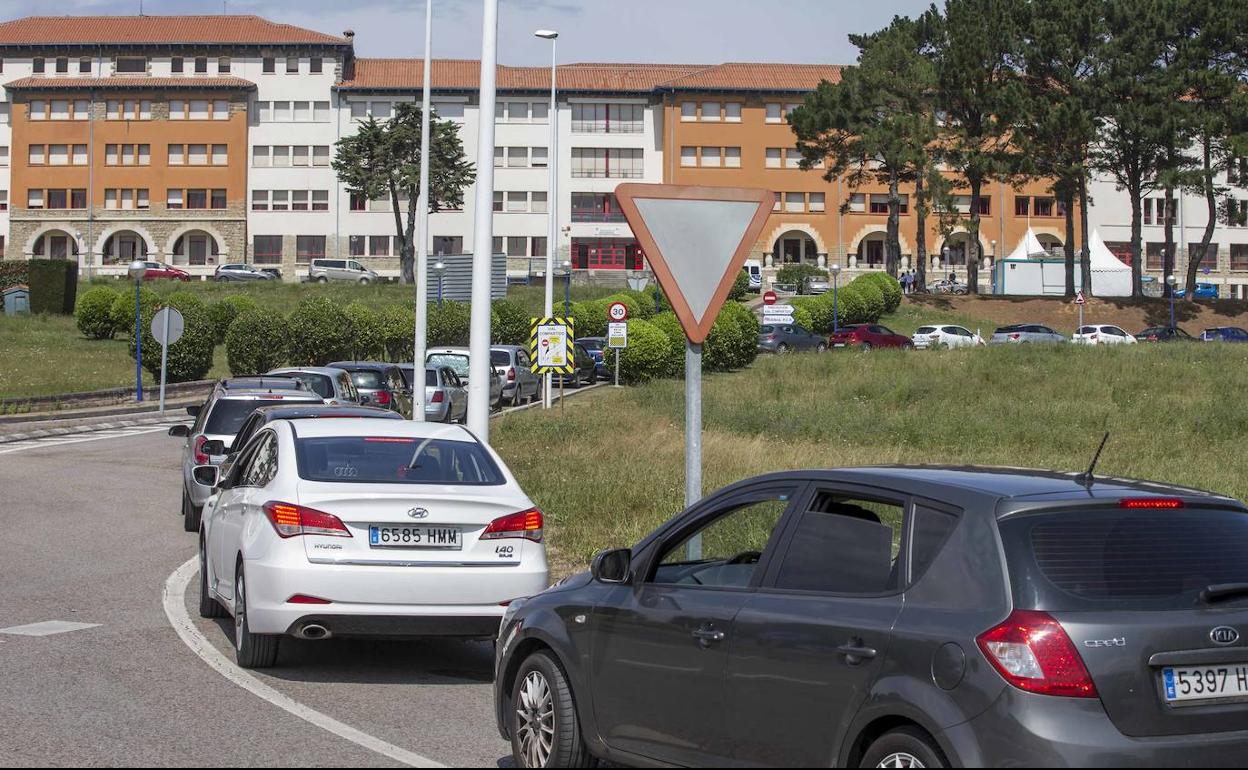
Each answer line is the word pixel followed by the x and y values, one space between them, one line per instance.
pixel 418 513
pixel 1224 635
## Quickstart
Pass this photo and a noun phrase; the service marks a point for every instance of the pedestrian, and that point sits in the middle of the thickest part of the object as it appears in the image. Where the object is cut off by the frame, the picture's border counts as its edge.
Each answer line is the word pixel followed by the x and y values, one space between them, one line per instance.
pixel 905 282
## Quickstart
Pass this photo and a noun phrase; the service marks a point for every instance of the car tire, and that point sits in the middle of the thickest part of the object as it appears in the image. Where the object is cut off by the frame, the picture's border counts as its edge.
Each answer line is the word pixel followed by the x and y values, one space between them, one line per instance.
pixel 191 513
pixel 904 747
pixel 322 279
pixel 908 346
pixel 364 281
pixel 208 606
pixel 867 347
pixel 542 693
pixel 821 348
pixel 782 348
pixel 253 650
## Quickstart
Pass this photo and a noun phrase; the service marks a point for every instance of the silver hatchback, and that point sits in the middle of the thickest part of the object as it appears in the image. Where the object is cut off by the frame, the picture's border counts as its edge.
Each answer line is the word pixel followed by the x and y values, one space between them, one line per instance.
pixel 512 363
pixel 326 270
pixel 1024 334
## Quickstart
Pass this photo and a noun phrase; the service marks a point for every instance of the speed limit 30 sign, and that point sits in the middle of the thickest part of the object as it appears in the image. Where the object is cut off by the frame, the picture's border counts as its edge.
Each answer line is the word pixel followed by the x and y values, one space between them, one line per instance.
pixel 617 312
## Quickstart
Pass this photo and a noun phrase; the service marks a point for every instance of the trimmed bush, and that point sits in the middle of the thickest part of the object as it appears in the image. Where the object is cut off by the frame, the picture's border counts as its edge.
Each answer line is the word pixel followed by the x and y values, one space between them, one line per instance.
pixel 94 313
pixel 449 326
pixel 184 299
pixel 256 341
pixel 123 308
pixel 645 301
pixel 398 325
pixel 802 315
pixel 747 322
pixel 850 309
pixel 740 287
pixel 320 333
pixel 225 310
pixel 53 285
pixel 874 298
pixel 190 358
pixel 590 318
pixel 13 272
pixel 722 348
pixel 888 285
pixel 511 326
pixel 797 275
pixel 647 353
pixel 367 337
pixel 669 324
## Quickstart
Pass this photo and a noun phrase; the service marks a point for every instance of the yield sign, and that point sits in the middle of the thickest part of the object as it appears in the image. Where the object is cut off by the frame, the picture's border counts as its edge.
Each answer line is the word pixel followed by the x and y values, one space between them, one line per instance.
pixel 1080 299
pixel 697 239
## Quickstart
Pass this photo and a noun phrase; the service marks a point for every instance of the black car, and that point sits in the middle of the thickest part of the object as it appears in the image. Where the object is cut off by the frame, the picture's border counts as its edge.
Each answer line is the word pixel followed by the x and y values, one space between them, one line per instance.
pixel 379 384
pixel 586 368
pixel 1164 334
pixel 597 349
pixel 897 617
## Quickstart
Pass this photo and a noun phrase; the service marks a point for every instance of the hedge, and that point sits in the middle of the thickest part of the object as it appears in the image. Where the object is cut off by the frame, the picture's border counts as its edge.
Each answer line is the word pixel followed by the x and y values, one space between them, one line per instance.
pixel 184 299
pixel 647 353
pixel 368 340
pixel 123 308
pixel 190 358
pixel 449 325
pixel 740 287
pixel 512 324
pixel 747 322
pixel 888 285
pixel 320 333
pixel 53 285
pixel 850 308
pixel 590 318
pixel 13 273
pixel 94 313
pixel 398 325
pixel 874 298
pixel 224 311
pixel 797 275
pixel 669 324
pixel 722 347
pixel 256 342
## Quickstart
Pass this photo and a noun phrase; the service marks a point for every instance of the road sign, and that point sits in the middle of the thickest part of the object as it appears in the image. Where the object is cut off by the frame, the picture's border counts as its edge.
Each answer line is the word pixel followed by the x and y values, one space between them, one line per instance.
pixel 779 310
pixel 1080 299
pixel 617 335
pixel 779 320
pixel 550 345
pixel 618 311
pixel 770 298
pixel 167 326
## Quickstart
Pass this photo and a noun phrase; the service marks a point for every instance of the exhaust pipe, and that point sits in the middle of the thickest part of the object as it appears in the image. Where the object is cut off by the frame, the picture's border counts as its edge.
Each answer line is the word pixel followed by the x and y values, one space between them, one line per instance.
pixel 314 632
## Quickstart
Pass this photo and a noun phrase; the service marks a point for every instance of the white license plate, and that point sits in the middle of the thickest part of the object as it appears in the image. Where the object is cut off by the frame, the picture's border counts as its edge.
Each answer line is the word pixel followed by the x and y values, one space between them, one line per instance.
pixel 1226 682
pixel 838 345
pixel 445 538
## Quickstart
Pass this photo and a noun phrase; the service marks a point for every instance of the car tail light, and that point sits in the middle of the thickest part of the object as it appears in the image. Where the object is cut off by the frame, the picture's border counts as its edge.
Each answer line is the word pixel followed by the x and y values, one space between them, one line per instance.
pixel 1150 503
pixel 293 520
pixel 201 457
pixel 302 599
pixel 1016 336
pixel 383 397
pixel 1032 652
pixel 511 374
pixel 438 397
pixel 525 525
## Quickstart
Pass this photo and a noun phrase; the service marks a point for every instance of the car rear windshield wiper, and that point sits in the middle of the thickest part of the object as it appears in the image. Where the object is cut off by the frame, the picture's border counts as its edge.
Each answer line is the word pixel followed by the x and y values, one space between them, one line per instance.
pixel 1224 592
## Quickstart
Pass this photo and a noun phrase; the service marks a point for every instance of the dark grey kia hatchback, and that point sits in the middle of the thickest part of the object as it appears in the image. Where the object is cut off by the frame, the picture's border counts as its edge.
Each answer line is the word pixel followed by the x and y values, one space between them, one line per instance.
pixel 897 617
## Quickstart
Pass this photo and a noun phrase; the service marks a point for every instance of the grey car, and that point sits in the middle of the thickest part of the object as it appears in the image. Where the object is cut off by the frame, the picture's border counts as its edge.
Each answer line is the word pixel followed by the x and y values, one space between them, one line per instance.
pixel 512 363
pixel 446 396
pixel 787 338
pixel 458 360
pixel 333 385
pixel 326 270
pixel 238 271
pixel 217 422
pixel 897 617
pixel 1026 334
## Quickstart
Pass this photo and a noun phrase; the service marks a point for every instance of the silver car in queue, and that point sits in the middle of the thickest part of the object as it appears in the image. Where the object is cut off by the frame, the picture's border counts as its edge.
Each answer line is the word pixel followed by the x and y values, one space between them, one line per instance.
pixel 330 383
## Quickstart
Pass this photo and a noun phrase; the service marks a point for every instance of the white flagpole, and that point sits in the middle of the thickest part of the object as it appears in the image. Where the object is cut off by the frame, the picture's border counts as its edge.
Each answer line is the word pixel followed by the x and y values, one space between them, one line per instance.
pixel 422 247
pixel 479 369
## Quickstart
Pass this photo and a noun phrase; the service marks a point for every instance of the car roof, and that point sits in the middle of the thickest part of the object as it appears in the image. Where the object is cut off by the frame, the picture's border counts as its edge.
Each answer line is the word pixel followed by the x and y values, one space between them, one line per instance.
pixel 508 348
pixel 261 382
pixel 331 371
pixel 456 351
pixel 305 411
pixel 348 366
pixel 383 428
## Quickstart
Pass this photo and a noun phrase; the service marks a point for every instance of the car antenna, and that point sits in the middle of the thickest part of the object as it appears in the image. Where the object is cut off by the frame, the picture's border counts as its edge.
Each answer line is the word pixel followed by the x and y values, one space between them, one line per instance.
pixel 1087 479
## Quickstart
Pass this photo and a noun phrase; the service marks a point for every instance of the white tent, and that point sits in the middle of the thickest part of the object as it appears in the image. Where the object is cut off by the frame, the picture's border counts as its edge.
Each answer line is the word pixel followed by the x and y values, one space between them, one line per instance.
pixel 1110 277
pixel 1028 248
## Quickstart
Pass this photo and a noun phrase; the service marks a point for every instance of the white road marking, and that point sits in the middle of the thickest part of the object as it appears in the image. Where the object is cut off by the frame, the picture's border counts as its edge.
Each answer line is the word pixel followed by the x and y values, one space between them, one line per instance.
pixel 55 441
pixel 175 610
pixel 47 628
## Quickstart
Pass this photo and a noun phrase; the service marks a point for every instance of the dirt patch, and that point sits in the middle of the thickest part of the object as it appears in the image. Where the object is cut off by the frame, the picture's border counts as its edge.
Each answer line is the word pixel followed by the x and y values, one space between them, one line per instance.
pixel 1134 315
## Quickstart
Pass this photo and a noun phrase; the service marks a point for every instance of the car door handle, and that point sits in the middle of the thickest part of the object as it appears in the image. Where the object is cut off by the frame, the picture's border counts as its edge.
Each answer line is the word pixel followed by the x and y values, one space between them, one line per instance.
pixel 855 653
pixel 707 636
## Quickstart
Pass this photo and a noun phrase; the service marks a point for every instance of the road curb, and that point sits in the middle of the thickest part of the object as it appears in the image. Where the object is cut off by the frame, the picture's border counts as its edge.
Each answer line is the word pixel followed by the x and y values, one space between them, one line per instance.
pixel 70 430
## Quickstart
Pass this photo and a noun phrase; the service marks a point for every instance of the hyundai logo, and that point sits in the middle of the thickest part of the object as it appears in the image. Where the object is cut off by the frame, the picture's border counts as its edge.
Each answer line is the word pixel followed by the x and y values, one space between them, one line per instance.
pixel 1224 635
pixel 418 513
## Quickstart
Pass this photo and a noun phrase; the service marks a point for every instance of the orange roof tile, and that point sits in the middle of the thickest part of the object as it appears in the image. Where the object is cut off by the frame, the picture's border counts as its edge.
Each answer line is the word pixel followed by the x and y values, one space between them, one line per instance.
pixel 138 30
pixel 137 83
pixel 744 76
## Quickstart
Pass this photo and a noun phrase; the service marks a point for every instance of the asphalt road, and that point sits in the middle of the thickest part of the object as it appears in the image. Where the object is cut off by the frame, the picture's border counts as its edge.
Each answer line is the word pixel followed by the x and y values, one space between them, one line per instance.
pixel 91 535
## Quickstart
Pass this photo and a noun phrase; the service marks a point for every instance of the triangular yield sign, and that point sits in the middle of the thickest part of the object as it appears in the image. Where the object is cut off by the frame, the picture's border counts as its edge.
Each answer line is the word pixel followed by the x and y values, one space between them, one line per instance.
pixel 697 239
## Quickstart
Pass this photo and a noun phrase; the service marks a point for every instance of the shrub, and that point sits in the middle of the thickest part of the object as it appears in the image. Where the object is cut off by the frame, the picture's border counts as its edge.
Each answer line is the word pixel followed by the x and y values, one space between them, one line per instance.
pixel 747 322
pixel 849 306
pixel 797 275
pixel 590 318
pixel 888 285
pixel 122 311
pixel 184 299
pixel 53 285
pixel 225 310
pixel 94 313
pixel 256 341
pixel 802 315
pixel 647 355
pixel 367 337
pixel 740 287
pixel 669 324
pixel 398 323
pixel 190 358
pixel 512 324
pixel 872 296
pixel 449 325
pixel 13 272
pixel 645 301
pixel 320 333
pixel 722 348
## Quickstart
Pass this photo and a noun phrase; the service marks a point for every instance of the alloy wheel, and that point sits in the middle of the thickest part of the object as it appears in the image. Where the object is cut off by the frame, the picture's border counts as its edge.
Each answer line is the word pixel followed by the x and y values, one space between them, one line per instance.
pixel 536 711
pixel 901 759
pixel 240 612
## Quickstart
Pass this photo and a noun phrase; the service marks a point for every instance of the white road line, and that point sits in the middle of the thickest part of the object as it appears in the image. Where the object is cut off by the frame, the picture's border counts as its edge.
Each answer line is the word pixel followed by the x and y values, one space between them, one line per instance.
pixel 175 610
pixel 55 441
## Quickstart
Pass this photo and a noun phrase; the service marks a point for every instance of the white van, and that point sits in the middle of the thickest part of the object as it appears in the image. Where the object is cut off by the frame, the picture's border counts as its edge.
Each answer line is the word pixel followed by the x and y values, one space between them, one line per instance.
pixel 754 269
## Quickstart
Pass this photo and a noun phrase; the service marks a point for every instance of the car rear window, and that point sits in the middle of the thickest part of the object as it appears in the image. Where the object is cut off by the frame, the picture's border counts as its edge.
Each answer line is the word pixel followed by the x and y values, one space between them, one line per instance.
pixel 395 460
pixel 1124 559
pixel 591 344
pixel 500 358
pixel 229 414
pixel 369 379
pixel 456 361
pixel 925 330
pixel 766 329
pixel 1009 329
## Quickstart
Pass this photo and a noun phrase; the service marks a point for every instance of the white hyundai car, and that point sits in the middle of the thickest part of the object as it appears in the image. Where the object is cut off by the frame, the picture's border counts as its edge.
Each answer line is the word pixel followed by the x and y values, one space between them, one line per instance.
pixel 365 527
pixel 941 337
pixel 1103 334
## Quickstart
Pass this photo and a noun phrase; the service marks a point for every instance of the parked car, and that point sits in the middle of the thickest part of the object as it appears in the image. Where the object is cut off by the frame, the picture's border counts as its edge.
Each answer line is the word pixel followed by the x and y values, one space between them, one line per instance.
pixel 943 337
pixel 896 617
pixel 1203 291
pixel 1026 334
pixel 333 385
pixel 585 371
pixel 446 396
pixel 217 421
pixel 948 287
pixel 238 271
pixel 1225 334
pixel 326 270
pixel 597 349
pixel 276 272
pixel 458 359
pixel 379 384
pixel 788 338
pixel 1102 334
pixel 1164 334
pixel 159 271
pixel 816 284
pixel 868 337
pixel 344 528
pixel 512 363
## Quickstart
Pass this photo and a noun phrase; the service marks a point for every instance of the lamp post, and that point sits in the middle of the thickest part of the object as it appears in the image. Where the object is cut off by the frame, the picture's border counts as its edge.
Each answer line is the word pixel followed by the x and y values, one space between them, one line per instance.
pixel 1172 280
pixel 552 196
pixel 836 314
pixel 137 270
pixel 440 269
pixel 567 288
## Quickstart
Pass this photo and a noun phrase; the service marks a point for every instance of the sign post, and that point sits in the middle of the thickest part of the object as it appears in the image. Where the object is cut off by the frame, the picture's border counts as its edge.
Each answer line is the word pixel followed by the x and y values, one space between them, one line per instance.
pixel 1080 300
pixel 550 348
pixel 167 328
pixel 617 333
pixel 696 239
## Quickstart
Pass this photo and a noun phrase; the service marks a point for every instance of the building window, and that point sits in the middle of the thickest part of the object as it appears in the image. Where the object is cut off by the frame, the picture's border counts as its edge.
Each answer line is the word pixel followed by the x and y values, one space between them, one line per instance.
pixel 378 245
pixel 355 245
pixel 500 157
pixel 320 155
pixel 84 66
pixel 688 157
pixel 732 112
pixel 57 199
pixel 37 155
pixel 4 200
pixel 259 200
pixel 269 65
pixel 608 118
pixel 537 203
pixel 34 199
pixel 711 112
pixel 281 200
pixel 60 109
pixel 596 207
pixel 201 65
pixel 62 65
pixel 498 201
pixel 794 203
pixel 173 199
pixel 37 65
pixel 541 112
pixel 177 154
pixel 299 155
pixel 358 202
pixel 817 203
pixel 774 113
pixel 517 202
pixel 517 157
pixel 82 109
pixel 537 157
pixel 1154 256
pixel 1239 256
pixel 309 247
pixel 197 198
pixel 220 155
pixel 604 163
pixel 37 109
pixel 688 111
pixel 4 155
pixel 1236 212
pixel 711 157
pixel 315 65
pixel 779 202
pixel 266 249
pixel 292 65
pixel 1044 207
pixel 985 206
pixel 320 200
pixel 176 65
pixel 131 64
pixel 218 198
pixel 732 157
pixel 199 109
pixel 299 200
pixel 774 157
pixel 197 155
pixel 223 65
pixel 792 158
pixel 1022 207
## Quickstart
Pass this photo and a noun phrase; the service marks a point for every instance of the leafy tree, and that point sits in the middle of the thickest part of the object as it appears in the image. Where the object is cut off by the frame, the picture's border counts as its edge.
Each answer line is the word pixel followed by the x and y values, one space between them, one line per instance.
pixel 382 160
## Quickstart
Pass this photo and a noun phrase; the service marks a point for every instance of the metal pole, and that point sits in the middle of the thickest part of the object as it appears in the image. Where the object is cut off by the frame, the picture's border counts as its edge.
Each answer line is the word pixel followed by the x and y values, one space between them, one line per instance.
pixel 422 249
pixel 567 293
pixel 552 201
pixel 439 291
pixel 693 435
pixel 617 367
pixel 164 359
pixel 836 321
pixel 138 343
pixel 483 234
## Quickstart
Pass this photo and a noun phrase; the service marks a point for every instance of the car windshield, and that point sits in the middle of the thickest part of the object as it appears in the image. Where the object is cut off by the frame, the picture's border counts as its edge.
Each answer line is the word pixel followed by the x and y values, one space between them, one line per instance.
pixel 500 358
pixel 457 362
pixel 395 460
pixel 369 379
pixel 229 414
pixel 1124 559
pixel 591 344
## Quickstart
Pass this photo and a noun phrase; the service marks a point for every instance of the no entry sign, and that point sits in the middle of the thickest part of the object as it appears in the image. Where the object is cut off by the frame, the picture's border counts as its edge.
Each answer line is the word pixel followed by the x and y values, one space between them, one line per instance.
pixel 770 298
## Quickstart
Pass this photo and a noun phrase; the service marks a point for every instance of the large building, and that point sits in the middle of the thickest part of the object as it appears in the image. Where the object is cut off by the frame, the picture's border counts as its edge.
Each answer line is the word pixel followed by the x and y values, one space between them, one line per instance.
pixel 203 139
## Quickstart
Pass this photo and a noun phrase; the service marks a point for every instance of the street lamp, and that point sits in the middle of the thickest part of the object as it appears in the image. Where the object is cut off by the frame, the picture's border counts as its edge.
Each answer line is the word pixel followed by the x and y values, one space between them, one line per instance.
pixel 552 196
pixel 836 316
pixel 567 288
pixel 440 269
pixel 137 270
pixel 1172 280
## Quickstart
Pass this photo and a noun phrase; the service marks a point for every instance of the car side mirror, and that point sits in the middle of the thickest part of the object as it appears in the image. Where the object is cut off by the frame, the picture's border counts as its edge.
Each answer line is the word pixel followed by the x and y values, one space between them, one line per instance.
pixel 214 448
pixel 207 475
pixel 613 567
pixel 193 411
pixel 181 431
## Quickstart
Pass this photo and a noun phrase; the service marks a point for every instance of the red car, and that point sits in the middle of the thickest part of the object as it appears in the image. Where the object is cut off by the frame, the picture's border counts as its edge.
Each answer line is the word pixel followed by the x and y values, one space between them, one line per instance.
pixel 158 271
pixel 868 336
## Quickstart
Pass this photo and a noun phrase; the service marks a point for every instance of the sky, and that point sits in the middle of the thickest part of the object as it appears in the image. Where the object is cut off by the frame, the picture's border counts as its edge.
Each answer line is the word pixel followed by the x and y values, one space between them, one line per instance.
pixel 675 31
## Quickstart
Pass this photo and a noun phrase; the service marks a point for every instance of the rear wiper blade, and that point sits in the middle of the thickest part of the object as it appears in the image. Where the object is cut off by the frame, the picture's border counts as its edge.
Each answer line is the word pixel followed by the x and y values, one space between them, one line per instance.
pixel 1224 592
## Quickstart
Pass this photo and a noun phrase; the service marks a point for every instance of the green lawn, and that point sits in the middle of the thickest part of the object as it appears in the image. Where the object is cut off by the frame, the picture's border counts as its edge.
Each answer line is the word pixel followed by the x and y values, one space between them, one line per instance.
pixel 613 468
